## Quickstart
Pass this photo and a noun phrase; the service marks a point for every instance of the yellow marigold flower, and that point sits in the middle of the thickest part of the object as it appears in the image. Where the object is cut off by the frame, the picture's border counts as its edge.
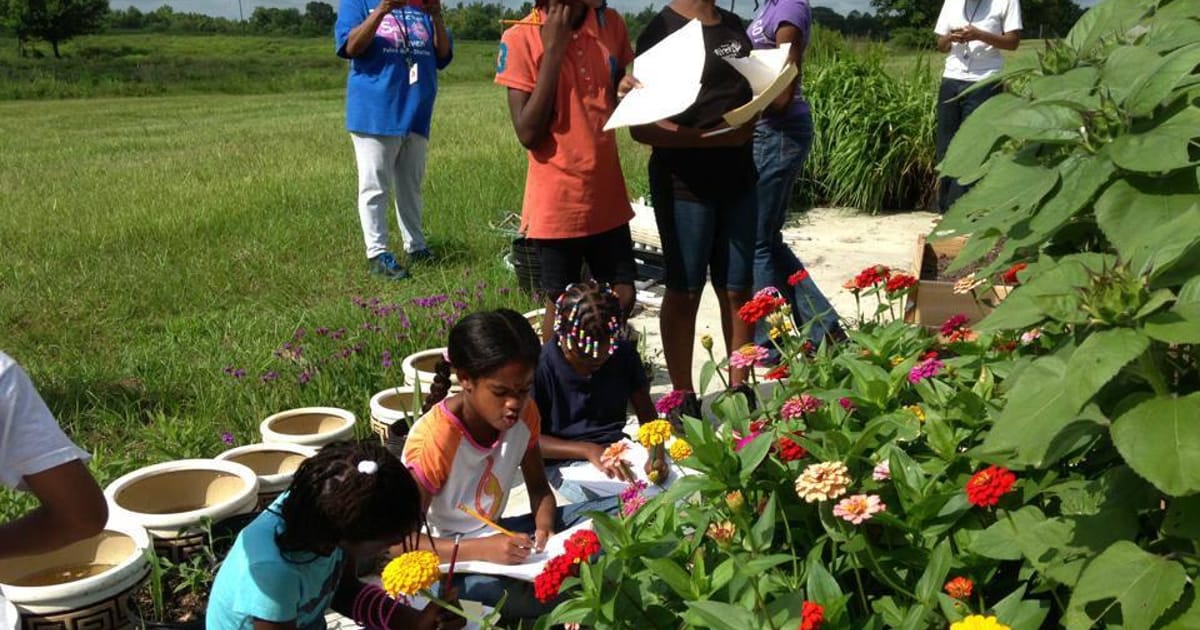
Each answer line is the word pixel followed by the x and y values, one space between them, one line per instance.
pixel 411 573
pixel 823 481
pixel 680 450
pixel 654 433
pixel 721 532
pixel 917 411
pixel 897 360
pixel 978 622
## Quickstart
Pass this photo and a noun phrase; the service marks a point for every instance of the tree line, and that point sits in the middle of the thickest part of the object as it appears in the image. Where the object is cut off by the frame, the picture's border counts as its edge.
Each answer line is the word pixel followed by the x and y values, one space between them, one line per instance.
pixel 906 22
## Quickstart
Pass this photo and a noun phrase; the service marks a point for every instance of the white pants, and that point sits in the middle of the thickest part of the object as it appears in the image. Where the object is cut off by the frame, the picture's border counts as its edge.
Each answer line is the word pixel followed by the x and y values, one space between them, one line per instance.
pixel 390 165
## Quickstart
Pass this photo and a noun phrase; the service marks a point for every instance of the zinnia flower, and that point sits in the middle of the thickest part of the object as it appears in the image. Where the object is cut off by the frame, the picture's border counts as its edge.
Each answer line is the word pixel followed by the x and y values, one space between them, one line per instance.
pixel 654 433
pixel 812 616
pixel 952 324
pixel 745 441
pixel 869 277
pixel 632 498
pixel 823 481
pixel 778 373
pixel 985 487
pixel 411 573
pixel 1010 276
pixel 917 411
pixel 680 450
pixel 547 584
pixel 882 471
pixel 959 588
pixel 789 450
pixel 582 545
pixel 967 284
pixel 899 283
pixel 978 622
pixel 1031 335
pixel 859 507
pixel 760 306
pixel 798 277
pixel 796 406
pixel 614 455
pixel 928 368
pixel 721 532
pixel 847 404
pixel 735 500
pixel 896 360
pixel 672 399
pixel 748 356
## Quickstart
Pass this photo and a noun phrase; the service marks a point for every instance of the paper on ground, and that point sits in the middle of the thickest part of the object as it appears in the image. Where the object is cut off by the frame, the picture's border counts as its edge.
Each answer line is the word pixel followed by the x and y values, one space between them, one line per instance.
pixel 670 76
pixel 595 480
pixel 530 568
pixel 337 621
pixel 769 74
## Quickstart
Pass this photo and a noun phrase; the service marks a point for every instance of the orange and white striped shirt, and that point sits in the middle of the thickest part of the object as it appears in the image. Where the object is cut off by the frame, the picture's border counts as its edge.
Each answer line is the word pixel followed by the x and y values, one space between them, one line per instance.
pixel 455 469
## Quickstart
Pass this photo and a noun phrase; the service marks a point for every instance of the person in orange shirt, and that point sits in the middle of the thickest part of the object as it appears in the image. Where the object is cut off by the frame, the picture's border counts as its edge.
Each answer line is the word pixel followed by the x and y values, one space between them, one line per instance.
pixel 561 66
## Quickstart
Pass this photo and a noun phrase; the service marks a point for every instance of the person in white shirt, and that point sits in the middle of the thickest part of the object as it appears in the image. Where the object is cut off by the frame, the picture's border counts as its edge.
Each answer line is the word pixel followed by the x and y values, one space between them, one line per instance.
pixel 36 456
pixel 972 33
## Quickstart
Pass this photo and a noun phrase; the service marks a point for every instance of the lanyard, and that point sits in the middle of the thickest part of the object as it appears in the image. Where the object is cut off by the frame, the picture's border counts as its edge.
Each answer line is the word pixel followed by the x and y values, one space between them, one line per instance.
pixel 406 48
pixel 978 5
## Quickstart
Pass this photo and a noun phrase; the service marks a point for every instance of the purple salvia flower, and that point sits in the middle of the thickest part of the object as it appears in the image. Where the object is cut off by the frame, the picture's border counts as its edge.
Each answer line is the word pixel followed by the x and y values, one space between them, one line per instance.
pixel 305 377
pixel 270 376
pixel 321 331
pixel 227 438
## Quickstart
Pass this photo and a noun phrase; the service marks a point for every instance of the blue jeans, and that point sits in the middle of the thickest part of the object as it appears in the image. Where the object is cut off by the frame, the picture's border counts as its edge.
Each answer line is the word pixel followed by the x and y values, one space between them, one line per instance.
pixel 521 602
pixel 779 154
pixel 952 109
pixel 570 490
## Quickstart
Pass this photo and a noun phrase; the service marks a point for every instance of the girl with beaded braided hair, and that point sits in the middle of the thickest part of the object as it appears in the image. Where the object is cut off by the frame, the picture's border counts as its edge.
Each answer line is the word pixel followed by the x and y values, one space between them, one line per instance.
pixel 350 501
pixel 587 377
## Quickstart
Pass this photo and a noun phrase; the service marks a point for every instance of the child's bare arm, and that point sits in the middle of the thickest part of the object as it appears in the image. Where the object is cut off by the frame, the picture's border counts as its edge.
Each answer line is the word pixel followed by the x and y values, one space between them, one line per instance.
pixel 532 112
pixel 643 406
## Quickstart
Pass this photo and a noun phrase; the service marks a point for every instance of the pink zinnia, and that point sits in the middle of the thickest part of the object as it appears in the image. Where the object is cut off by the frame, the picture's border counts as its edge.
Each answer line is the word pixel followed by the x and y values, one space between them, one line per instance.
pixel 858 508
pixel 952 324
pixel 670 401
pixel 632 498
pixel 847 404
pixel 748 356
pixel 797 406
pixel 928 368
pixel 742 443
pixel 883 471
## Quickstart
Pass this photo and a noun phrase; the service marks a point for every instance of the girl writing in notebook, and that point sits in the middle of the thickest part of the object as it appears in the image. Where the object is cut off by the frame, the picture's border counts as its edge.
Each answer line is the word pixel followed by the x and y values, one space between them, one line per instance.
pixel 467 448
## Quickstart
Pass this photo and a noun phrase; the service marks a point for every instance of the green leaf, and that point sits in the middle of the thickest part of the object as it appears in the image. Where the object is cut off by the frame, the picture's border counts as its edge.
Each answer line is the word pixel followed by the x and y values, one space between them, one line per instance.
pixel 724 573
pixel 675 577
pixel 1019 613
pixel 719 616
pixel 1131 208
pixel 753 454
pixel 1009 183
pixel 1163 148
pixel 1180 325
pixel 1021 309
pixel 975 139
pixel 1026 532
pixel 1106 19
pixel 757 565
pixel 1185 615
pixel 935 574
pixel 1159 440
pixel 707 372
pixel 1183 517
pixel 1156 84
pixel 822 588
pixel 1144 586
pixel 1097 361
pixel 1125 66
pixel 1042 122
pixel 1081 178
pixel 763 531
pixel 1076 83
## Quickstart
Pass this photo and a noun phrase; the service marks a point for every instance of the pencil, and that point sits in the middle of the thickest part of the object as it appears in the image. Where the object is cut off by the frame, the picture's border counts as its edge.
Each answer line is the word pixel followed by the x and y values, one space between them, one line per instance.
pixel 453 561
pixel 487 521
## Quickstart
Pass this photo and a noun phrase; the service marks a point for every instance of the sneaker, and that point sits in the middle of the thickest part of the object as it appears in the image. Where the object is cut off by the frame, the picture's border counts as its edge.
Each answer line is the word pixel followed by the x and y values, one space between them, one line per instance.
pixel 385 265
pixel 421 255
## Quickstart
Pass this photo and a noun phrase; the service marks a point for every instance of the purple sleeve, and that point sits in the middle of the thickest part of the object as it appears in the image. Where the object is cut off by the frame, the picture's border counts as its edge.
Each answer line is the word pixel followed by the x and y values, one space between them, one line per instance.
pixel 799 14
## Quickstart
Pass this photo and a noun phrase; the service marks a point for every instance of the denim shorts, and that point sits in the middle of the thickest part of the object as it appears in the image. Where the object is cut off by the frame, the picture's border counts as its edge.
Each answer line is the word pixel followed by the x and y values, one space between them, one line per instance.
pixel 609 257
pixel 705 238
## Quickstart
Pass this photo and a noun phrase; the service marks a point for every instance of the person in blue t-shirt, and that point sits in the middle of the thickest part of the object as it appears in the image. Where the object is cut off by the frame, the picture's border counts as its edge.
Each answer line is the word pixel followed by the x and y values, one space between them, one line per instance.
pixel 585 379
pixel 296 559
pixel 395 50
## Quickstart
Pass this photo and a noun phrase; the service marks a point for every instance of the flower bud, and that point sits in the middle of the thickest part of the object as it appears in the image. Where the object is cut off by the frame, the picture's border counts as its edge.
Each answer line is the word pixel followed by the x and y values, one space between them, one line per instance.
pixel 735 500
pixel 706 342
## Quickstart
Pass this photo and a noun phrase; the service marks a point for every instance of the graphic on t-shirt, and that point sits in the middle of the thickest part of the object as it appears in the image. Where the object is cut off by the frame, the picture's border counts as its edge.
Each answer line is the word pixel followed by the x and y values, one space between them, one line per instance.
pixel 502 58
pixel 489 494
pixel 729 49
pixel 412 33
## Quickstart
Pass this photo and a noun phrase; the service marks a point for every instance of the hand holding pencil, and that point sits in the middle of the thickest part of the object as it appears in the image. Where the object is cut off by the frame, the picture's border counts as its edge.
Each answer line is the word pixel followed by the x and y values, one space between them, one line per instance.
pixel 506 547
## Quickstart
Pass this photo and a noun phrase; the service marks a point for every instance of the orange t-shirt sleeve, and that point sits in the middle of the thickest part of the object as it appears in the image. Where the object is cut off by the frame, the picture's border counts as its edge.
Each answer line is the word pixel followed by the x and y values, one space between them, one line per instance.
pixel 427 456
pixel 516 66
pixel 533 420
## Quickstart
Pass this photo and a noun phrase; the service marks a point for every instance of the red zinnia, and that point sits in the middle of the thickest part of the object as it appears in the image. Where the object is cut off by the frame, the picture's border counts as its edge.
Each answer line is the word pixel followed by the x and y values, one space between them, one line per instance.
pixel 953 324
pixel 760 307
pixel 871 276
pixel 549 581
pixel 899 282
pixel 789 450
pixel 959 588
pixel 777 374
pixel 582 545
pixel 1010 276
pixel 812 616
pixel 798 277
pixel 987 486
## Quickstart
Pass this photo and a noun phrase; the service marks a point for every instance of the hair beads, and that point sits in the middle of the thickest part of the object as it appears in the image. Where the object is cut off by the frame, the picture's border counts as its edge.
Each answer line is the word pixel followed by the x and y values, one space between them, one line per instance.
pixel 587 314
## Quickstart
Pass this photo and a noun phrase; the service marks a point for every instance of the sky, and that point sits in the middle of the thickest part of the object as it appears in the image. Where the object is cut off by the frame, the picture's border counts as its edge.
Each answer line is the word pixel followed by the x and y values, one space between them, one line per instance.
pixel 229 8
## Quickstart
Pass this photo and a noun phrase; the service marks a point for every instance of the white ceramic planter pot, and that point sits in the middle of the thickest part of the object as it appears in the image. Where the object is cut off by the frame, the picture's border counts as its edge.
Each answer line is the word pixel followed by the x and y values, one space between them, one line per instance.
pixel 172 500
pixel 275 465
pixel 83 586
pixel 395 404
pixel 309 426
pixel 421 367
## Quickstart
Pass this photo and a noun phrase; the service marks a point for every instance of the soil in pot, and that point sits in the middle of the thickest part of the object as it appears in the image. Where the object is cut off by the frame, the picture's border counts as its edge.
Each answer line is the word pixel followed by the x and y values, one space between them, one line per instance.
pixel 933 267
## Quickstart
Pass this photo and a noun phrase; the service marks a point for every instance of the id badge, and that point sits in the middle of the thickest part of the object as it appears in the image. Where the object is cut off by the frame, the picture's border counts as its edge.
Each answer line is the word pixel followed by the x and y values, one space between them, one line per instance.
pixel 413 75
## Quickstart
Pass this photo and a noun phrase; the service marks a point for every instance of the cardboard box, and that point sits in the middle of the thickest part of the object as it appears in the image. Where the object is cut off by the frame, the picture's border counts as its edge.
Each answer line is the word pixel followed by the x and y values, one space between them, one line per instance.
pixel 934 301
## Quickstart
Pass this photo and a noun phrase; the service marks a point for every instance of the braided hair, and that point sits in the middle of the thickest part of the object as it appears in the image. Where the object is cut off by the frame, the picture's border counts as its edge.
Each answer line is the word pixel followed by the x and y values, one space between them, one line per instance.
pixel 586 314
pixel 349 491
pixel 482 343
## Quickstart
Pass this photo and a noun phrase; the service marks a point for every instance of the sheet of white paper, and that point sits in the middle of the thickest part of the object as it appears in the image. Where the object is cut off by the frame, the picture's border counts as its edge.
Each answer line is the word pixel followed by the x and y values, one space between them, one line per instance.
pixel 761 68
pixel 474 609
pixel 595 480
pixel 670 76
pixel 530 568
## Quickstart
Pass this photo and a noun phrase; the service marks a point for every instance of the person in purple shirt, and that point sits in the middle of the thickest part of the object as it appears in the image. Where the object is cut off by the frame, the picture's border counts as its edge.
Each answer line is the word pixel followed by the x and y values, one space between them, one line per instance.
pixel 782 139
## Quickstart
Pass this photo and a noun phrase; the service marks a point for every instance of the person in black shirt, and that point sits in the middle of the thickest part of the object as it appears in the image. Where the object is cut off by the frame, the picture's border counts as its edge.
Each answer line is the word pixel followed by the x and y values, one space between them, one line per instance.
pixel 585 380
pixel 702 186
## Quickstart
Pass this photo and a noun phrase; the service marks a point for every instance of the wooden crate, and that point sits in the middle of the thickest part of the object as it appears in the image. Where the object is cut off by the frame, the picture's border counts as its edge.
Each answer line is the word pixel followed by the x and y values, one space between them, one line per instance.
pixel 934 301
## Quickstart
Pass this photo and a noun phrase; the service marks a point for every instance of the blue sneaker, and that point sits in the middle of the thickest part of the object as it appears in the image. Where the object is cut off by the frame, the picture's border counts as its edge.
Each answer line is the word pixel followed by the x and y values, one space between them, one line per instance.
pixel 420 256
pixel 385 265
